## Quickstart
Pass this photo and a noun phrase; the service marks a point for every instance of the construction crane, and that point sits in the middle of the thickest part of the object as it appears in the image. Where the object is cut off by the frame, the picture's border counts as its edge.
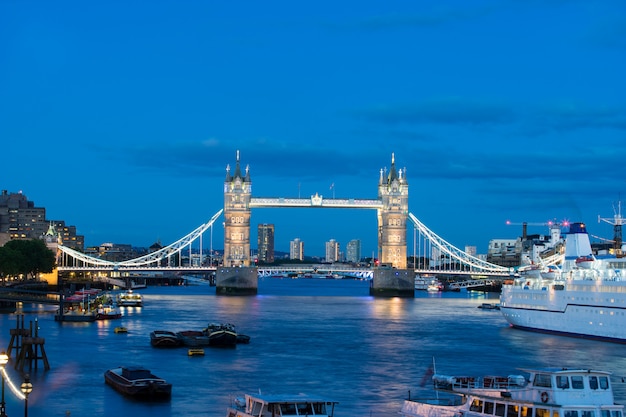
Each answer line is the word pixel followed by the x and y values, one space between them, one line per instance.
pixel 617 221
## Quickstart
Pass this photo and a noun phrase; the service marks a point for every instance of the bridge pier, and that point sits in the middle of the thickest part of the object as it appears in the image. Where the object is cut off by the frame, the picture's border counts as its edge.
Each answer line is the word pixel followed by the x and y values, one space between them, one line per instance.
pixel 392 282
pixel 236 280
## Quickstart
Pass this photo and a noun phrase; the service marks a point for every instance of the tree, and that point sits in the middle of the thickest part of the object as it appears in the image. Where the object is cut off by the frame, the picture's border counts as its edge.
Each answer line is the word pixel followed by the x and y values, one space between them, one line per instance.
pixel 26 257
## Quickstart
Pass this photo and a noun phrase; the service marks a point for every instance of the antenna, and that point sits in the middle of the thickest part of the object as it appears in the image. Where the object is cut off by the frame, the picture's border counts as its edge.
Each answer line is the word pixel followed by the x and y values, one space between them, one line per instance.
pixel 617 221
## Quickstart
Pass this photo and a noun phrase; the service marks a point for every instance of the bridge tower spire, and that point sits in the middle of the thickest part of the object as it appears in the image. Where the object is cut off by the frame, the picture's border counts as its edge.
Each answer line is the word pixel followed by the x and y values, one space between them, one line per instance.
pixel 393 191
pixel 237 193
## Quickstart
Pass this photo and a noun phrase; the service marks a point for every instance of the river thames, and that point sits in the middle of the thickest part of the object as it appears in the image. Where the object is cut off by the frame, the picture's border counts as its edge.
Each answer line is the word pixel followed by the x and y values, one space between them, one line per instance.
pixel 323 337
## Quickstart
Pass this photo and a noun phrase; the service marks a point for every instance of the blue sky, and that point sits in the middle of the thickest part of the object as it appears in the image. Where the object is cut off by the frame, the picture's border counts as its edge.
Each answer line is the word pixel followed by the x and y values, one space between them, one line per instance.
pixel 120 117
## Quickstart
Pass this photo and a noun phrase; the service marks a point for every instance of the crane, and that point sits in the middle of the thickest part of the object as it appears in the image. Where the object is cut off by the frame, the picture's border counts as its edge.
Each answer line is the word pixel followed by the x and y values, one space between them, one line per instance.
pixel 617 221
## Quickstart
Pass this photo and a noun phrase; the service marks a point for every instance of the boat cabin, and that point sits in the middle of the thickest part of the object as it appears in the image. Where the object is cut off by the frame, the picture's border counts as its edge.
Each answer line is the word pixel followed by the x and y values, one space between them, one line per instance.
pixel 281 405
pixel 550 392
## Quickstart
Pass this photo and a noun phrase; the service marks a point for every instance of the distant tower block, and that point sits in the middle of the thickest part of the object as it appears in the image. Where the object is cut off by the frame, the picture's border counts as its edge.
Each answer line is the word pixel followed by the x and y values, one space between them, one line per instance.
pixel 237 277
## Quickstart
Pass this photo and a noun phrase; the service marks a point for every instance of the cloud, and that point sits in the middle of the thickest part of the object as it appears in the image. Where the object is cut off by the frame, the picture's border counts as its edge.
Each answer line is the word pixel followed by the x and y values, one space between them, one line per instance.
pixel 444 111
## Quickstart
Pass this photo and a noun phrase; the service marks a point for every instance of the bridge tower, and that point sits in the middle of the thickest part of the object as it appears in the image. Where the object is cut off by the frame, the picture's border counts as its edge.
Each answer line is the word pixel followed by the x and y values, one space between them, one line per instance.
pixel 393 192
pixel 237 193
pixel 236 276
pixel 392 278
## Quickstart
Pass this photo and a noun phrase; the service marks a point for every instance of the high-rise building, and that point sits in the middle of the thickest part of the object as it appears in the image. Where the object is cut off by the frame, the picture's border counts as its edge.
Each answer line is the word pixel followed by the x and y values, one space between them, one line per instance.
pixel 266 242
pixel 296 249
pixel 353 251
pixel 20 219
pixel 332 251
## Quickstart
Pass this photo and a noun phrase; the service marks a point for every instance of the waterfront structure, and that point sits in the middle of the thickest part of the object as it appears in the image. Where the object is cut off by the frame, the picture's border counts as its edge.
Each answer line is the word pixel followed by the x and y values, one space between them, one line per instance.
pixel 392 215
pixel 266 242
pixel 296 249
pixel 393 191
pixel 332 251
pixel 353 251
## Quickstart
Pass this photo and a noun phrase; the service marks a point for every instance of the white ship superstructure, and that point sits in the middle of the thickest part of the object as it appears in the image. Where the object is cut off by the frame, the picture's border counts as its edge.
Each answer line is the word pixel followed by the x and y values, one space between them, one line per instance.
pixel 586 298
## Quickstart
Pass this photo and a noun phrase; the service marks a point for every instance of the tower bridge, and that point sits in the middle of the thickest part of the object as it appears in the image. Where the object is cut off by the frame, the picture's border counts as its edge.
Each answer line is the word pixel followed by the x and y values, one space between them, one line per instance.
pixel 237 275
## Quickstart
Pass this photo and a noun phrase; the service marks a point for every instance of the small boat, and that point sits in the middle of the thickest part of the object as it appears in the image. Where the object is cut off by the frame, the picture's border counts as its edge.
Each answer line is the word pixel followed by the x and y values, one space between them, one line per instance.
pixel 108 312
pixel 120 329
pixel 138 382
pixel 281 405
pixel 221 335
pixel 193 338
pixel 164 338
pixel 129 299
pixel 489 306
pixel 541 392
pixel 195 352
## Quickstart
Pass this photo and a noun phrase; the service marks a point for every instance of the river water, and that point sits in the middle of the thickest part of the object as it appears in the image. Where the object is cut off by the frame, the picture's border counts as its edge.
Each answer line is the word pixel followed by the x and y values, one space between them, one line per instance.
pixel 322 337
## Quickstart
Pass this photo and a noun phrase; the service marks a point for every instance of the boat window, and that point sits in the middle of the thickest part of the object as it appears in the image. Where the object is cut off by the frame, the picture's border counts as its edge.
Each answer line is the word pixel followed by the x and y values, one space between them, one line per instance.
pixel 555 413
pixel 512 410
pixel 477 405
pixel 570 413
pixel 526 411
pixel 542 412
pixel 319 408
pixel 588 413
pixel 616 413
pixel 577 382
pixel 562 382
pixel 542 380
pixel 305 409
pixel 500 409
pixel 488 407
pixel 593 382
pixel 605 413
pixel 604 382
pixel 288 409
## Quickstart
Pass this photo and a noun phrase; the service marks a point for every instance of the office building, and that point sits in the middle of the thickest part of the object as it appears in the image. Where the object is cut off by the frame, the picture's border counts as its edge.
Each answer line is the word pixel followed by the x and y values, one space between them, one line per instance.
pixel 20 219
pixel 353 251
pixel 332 251
pixel 266 243
pixel 296 249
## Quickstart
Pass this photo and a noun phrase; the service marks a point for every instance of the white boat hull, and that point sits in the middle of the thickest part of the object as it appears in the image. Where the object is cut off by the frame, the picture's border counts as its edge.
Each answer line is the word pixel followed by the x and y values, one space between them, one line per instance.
pixel 585 308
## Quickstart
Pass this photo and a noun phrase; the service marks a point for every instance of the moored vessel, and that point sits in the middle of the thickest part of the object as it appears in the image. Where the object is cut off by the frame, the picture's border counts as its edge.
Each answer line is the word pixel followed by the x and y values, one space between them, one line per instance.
pixel 583 301
pixel 281 405
pixel 549 392
pixel 138 382
pixel 221 335
pixel 164 338
pixel 129 299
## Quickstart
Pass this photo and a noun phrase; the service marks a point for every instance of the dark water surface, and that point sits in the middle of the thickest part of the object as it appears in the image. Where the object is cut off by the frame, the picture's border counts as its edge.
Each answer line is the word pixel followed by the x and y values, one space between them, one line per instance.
pixel 323 337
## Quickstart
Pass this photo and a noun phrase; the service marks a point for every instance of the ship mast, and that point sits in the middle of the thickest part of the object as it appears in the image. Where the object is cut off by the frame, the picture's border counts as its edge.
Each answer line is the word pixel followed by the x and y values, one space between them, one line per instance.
pixel 617 221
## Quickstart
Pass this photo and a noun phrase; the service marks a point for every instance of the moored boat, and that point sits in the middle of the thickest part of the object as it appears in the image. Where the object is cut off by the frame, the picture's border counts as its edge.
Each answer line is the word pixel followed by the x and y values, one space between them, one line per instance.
pixel 549 392
pixel 138 382
pixel 129 299
pixel 193 338
pixel 164 338
pixel 221 335
pixel 281 405
pixel 108 312
pixel 582 301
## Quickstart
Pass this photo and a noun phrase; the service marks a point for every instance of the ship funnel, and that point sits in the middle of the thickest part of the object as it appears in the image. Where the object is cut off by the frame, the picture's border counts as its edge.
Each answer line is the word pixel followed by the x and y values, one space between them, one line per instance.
pixel 577 242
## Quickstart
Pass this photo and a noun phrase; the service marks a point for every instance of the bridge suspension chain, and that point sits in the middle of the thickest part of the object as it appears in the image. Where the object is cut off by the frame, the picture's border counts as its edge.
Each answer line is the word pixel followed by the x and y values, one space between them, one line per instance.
pixel 153 257
pixel 455 252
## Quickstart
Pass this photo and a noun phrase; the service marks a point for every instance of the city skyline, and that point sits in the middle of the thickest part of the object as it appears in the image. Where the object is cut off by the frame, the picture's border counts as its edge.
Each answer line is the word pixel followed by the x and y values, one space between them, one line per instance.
pixel 121 119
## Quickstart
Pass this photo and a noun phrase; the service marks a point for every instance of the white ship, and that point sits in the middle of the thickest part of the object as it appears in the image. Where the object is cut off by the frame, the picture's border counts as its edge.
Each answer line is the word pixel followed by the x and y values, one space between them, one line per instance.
pixel 584 299
pixel 550 392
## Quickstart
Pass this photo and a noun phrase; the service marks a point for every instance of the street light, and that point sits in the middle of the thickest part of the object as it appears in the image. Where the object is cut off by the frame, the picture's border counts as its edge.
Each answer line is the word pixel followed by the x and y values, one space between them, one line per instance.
pixel 26 389
pixel 3 361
